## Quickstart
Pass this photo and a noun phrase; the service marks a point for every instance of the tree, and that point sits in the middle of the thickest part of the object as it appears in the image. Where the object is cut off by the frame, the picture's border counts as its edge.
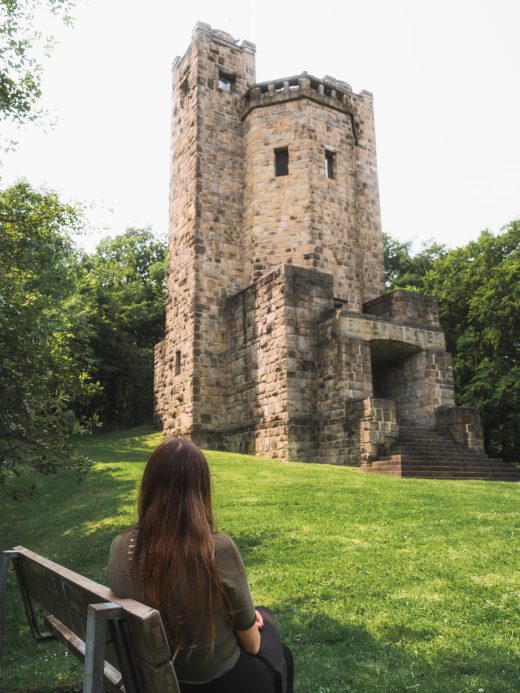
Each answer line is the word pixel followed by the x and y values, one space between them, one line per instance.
pixel 403 270
pixel 478 288
pixel 124 289
pixel 39 326
pixel 20 67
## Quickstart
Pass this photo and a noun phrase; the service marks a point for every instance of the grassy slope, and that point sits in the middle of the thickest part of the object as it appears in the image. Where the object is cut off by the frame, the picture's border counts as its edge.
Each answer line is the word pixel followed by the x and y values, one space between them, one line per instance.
pixel 378 584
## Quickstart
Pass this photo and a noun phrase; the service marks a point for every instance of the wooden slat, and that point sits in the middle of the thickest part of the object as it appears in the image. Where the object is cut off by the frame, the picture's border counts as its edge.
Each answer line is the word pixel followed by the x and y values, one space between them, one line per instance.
pixel 51 583
pixel 160 679
pixel 66 595
pixel 111 676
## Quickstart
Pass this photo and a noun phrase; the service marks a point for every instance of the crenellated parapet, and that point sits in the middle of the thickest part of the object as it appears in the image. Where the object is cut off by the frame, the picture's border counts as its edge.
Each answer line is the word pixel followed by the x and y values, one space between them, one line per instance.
pixel 326 92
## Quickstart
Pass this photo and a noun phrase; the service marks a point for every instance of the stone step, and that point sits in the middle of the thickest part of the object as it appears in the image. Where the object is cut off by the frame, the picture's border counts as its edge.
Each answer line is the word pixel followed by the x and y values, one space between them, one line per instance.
pixel 443 462
pixel 435 474
pixel 443 459
pixel 435 450
pixel 442 442
pixel 426 453
pixel 443 473
pixel 444 467
pixel 440 462
pixel 433 454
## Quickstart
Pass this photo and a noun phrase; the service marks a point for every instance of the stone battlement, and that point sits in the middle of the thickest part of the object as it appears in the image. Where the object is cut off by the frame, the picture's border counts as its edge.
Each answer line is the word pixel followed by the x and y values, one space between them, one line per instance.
pixel 326 92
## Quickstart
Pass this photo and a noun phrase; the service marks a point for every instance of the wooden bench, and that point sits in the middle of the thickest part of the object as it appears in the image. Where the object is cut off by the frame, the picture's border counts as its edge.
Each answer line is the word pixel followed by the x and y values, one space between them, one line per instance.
pixel 122 642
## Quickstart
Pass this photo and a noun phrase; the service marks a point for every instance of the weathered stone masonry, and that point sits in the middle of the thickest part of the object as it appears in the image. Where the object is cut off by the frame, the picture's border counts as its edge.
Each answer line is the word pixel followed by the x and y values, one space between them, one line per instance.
pixel 279 338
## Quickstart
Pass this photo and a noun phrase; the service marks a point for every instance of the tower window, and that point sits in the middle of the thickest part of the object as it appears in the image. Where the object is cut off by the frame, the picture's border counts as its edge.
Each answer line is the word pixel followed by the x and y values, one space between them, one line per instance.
pixel 177 362
pixel 330 163
pixel 281 161
pixel 226 82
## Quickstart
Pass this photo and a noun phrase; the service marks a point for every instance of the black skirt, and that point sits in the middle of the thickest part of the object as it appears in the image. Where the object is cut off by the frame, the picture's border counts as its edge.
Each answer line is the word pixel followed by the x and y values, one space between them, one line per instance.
pixel 270 671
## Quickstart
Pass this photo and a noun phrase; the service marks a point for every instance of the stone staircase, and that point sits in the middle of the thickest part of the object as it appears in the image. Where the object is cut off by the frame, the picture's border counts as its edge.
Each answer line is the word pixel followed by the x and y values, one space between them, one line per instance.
pixel 425 453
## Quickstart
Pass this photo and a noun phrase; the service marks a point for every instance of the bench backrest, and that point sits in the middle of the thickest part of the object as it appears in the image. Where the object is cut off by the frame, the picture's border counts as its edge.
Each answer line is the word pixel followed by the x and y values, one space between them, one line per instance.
pixel 66 596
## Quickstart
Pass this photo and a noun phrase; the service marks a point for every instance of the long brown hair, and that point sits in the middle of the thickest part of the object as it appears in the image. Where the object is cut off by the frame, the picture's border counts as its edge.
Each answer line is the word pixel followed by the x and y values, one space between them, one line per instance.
pixel 174 551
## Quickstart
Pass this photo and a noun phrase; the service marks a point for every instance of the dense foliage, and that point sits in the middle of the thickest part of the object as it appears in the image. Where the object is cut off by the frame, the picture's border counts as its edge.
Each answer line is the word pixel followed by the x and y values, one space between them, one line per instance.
pixel 42 360
pixel 76 332
pixel 404 270
pixel 20 62
pixel 123 291
pixel 478 289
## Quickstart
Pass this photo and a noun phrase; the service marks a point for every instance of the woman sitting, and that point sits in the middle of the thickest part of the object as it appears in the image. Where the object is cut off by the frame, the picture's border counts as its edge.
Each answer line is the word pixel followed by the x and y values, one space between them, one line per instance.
pixel 174 561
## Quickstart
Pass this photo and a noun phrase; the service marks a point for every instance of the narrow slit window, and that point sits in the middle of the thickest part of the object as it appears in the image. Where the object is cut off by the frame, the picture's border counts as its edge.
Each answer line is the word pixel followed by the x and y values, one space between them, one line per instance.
pixel 330 163
pixel 281 161
pixel 177 362
pixel 226 82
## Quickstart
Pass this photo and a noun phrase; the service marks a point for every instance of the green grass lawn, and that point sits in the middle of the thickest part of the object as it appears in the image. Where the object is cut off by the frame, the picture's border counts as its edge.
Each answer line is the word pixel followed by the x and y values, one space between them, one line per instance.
pixel 378 584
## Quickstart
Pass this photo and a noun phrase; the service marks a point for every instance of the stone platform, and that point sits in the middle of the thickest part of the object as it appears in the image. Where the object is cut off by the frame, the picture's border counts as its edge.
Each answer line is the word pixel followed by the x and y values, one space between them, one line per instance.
pixel 426 453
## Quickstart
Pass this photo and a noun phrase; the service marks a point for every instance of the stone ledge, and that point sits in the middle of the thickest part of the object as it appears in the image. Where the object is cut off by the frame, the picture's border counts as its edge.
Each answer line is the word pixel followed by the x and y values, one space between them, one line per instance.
pixel 406 307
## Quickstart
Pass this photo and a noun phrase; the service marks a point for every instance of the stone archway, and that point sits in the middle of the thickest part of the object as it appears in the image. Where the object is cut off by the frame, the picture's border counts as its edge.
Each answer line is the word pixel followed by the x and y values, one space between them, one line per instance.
pixel 394 375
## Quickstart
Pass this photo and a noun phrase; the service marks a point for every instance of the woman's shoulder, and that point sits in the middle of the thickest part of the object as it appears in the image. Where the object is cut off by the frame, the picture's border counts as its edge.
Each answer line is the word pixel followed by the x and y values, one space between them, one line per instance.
pixel 125 537
pixel 121 542
pixel 225 549
pixel 222 540
pixel 118 575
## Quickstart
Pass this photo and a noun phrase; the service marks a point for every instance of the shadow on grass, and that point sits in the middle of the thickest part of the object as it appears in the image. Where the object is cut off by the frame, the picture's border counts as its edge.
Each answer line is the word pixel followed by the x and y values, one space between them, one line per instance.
pixel 74 525
pixel 249 545
pixel 334 657
pixel 338 657
pixel 104 508
pixel 135 446
pixel 68 689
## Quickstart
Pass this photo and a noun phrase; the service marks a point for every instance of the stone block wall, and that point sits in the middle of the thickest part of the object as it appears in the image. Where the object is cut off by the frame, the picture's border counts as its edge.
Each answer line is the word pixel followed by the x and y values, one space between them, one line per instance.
pixel 406 307
pixel 308 295
pixel 276 226
pixel 375 428
pixel 256 392
pixel 205 258
pixel 367 199
pixel 419 384
pixel 463 425
pixel 307 218
pixel 344 374
pixel 218 263
pixel 270 363
pixel 369 429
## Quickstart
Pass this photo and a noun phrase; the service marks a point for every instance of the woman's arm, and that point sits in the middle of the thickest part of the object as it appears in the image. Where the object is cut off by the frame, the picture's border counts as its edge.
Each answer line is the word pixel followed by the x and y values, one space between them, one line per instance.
pixel 235 583
pixel 249 639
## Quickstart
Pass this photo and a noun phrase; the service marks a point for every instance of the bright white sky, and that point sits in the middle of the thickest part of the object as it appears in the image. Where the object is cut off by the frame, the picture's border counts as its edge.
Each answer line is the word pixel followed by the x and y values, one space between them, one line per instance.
pixel 444 73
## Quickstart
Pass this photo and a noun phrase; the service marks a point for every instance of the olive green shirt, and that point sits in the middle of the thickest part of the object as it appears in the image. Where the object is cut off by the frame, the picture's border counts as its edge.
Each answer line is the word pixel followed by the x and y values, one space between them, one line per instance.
pixel 201 664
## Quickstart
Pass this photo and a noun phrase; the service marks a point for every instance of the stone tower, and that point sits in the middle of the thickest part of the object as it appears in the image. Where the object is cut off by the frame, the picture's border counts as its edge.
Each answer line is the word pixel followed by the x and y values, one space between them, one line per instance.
pixel 279 337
